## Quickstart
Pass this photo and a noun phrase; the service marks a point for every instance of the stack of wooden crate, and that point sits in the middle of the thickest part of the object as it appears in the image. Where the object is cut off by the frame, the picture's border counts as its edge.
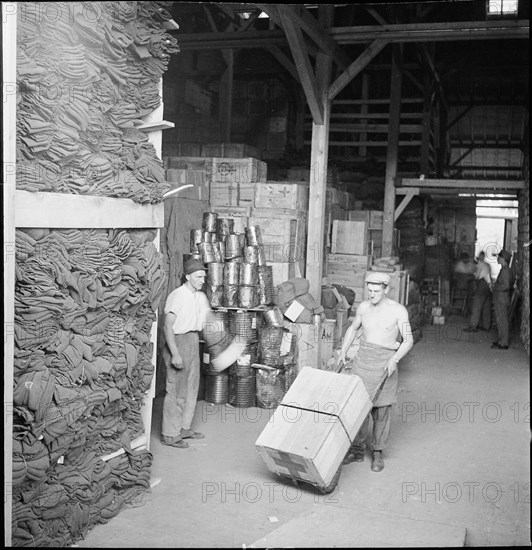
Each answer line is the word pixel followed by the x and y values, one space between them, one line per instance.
pixel 374 220
pixel 220 180
pixel 280 210
pixel 349 270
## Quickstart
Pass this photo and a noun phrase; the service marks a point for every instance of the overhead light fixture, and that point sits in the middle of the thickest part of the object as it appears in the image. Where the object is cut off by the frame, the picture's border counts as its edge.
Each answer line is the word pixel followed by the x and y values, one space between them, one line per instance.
pixel 246 14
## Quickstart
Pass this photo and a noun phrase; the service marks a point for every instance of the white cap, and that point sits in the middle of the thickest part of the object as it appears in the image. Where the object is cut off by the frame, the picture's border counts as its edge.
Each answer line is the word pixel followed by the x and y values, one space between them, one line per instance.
pixel 377 277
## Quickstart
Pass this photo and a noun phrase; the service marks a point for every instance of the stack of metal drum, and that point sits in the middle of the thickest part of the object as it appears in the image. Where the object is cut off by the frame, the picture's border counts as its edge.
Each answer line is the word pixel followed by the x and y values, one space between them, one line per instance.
pixel 238 282
pixel 237 274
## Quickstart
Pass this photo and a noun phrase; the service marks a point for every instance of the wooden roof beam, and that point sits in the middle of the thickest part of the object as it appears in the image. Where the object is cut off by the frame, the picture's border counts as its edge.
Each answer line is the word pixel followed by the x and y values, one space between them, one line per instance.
pixel 356 67
pixel 304 69
pixel 300 17
pixel 417 32
pixel 284 60
pixel 465 184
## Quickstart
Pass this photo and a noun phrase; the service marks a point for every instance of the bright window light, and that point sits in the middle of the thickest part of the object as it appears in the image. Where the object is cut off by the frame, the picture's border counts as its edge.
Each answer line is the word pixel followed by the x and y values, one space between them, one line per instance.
pixel 502 7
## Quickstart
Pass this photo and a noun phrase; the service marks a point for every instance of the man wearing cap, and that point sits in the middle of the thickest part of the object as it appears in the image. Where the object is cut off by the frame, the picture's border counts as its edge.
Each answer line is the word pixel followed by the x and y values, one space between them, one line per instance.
pixel 501 300
pixel 382 321
pixel 186 311
pixel 481 309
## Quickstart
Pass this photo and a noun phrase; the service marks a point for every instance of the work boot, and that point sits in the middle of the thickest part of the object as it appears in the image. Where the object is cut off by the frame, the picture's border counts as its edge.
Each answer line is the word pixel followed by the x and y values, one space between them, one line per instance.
pixel 189 434
pixel 377 463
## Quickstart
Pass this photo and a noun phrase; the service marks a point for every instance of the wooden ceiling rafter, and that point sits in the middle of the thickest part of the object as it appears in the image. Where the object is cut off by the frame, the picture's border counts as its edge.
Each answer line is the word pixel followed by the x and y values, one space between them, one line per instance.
pixel 304 68
pixel 409 32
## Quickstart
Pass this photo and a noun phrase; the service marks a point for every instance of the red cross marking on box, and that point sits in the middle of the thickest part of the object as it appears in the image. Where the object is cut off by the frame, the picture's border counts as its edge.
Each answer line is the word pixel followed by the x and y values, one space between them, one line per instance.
pixel 286 461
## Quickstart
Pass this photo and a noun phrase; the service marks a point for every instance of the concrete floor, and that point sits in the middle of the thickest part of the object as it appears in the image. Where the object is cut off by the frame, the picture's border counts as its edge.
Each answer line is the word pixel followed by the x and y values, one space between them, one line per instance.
pixel 457 470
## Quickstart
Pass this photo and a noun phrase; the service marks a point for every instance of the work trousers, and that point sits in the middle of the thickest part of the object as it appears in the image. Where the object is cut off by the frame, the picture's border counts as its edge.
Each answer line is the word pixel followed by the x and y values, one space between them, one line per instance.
pixel 382 418
pixel 481 309
pixel 501 303
pixel 182 387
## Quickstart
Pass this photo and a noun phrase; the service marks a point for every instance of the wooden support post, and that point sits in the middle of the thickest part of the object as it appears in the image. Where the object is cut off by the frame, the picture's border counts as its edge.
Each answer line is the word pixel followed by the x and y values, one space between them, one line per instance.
pixel 9 135
pixel 300 120
pixel 362 150
pixel 318 171
pixel 226 96
pixel 391 156
pixel 426 124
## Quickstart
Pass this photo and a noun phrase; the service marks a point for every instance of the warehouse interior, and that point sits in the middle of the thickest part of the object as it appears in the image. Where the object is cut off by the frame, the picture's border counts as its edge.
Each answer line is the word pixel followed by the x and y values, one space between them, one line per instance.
pixel 321 142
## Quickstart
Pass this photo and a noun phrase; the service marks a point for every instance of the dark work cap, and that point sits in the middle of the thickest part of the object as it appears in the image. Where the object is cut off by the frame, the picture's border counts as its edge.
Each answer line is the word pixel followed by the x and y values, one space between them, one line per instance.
pixel 506 255
pixel 192 265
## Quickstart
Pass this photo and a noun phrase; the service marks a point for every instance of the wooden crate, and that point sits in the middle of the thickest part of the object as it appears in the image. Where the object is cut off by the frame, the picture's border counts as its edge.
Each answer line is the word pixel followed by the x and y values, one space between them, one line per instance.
pixel 285 194
pixel 283 238
pixel 230 150
pixel 310 432
pixel 232 193
pixel 190 163
pixel 349 237
pixel 231 170
pixel 350 279
pixel 352 262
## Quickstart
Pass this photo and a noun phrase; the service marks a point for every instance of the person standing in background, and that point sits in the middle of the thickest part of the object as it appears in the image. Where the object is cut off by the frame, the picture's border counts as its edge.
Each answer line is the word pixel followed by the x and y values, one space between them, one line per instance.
pixel 481 308
pixel 186 311
pixel 501 300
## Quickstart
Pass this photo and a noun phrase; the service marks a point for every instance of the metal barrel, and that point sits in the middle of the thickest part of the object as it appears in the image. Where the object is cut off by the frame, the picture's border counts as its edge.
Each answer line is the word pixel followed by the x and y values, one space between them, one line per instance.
pixel 261 256
pixel 232 246
pixel 210 237
pixel 230 295
pixel 242 390
pixel 217 388
pixel 265 277
pixel 248 274
pixel 215 274
pixel 207 252
pixel 248 296
pixel 209 221
pixel 270 341
pixel 253 235
pixel 215 294
pixel 274 317
pixel 244 325
pixel 270 387
pixel 231 273
pixel 196 237
pixel 224 226
pixel 251 254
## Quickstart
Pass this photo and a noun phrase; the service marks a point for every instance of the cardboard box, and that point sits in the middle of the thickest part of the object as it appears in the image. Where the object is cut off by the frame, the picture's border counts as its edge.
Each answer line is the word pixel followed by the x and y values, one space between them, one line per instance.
pixel 349 237
pixel 289 194
pixel 310 432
